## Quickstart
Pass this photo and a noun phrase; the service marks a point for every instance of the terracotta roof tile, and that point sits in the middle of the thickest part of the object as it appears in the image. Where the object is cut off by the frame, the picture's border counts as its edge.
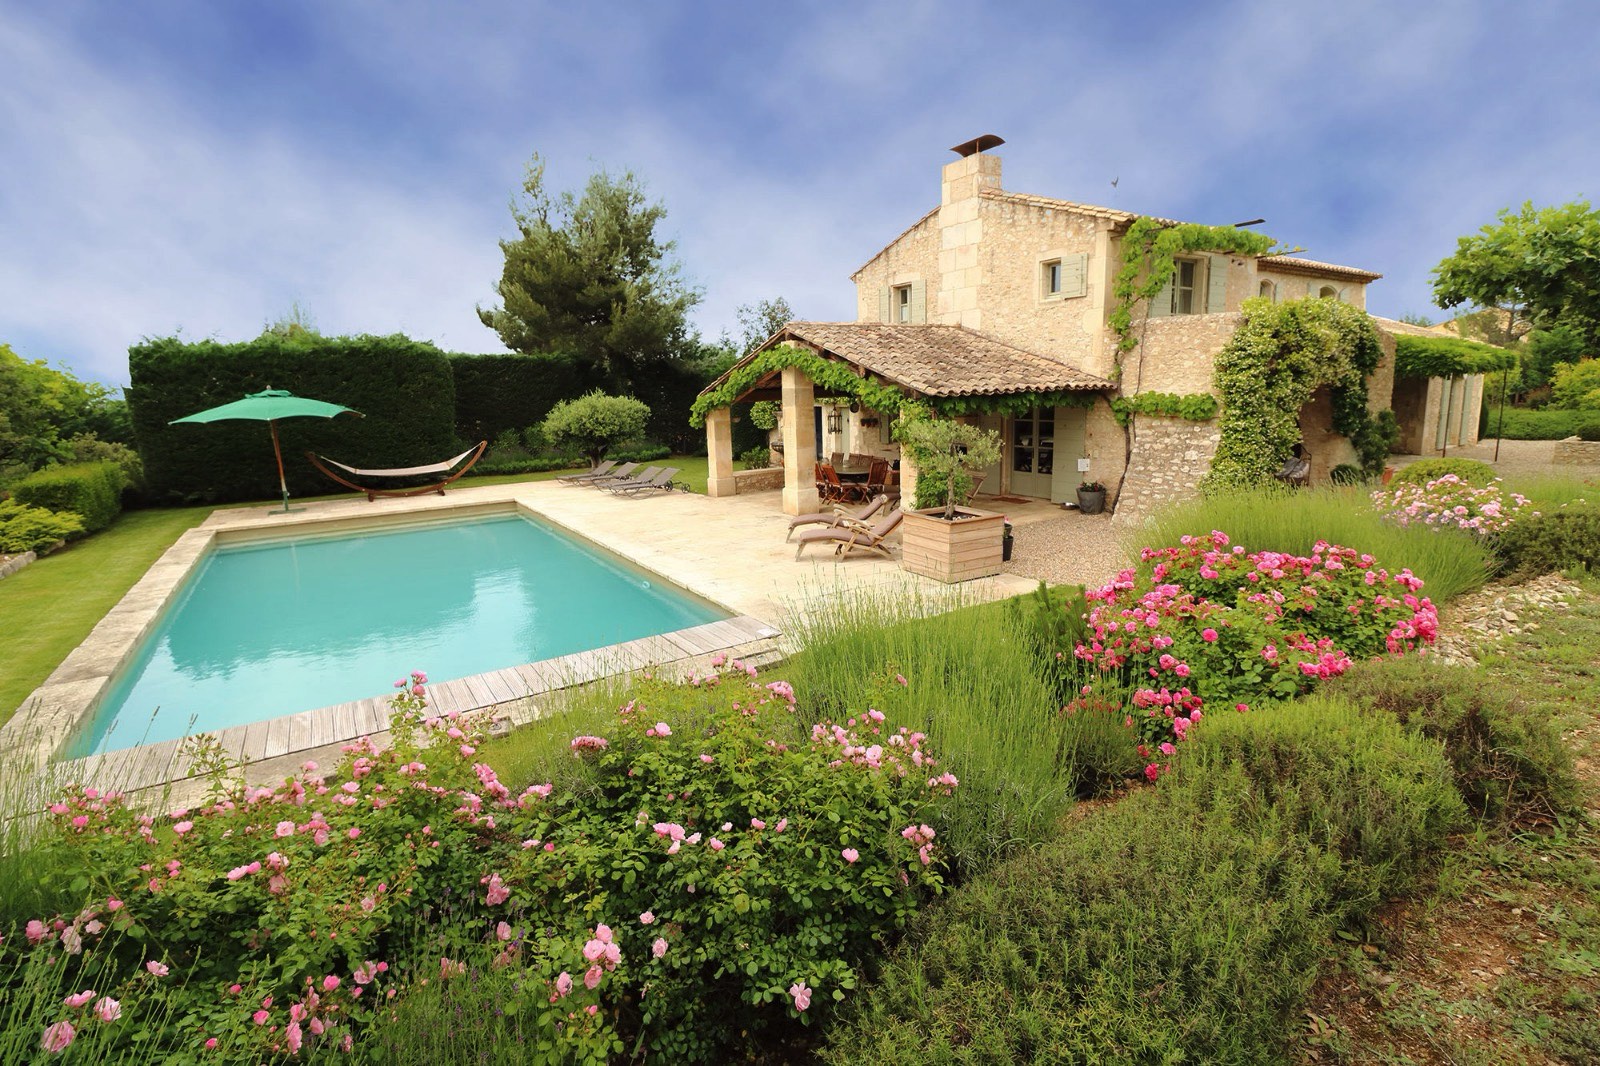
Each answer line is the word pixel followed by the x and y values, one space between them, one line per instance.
pixel 937 360
pixel 1111 214
pixel 1292 265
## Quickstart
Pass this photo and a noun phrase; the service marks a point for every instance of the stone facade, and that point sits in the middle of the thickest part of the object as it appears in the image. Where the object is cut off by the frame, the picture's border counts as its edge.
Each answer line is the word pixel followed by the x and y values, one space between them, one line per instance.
pixel 1170 456
pixel 1576 453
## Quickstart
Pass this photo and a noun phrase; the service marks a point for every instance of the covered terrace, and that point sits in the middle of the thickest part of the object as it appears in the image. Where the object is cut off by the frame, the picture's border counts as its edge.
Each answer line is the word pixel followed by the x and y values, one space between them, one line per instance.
pixel 870 369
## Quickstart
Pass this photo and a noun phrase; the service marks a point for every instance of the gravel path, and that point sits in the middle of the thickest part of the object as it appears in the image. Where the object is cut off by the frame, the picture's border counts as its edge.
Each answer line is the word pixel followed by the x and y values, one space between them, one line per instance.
pixel 1527 458
pixel 1074 549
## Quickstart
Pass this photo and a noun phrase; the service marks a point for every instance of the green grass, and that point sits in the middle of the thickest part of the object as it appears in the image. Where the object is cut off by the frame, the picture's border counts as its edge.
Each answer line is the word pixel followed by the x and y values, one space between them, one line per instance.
pixel 47 609
pixel 1550 491
pixel 1449 563
pixel 1527 424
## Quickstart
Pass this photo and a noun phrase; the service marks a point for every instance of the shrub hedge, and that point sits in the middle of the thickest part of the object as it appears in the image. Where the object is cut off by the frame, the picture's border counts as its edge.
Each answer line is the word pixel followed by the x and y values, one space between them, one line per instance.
pixel 498 392
pixel 1521 423
pixel 403 387
pixel 32 529
pixel 1564 539
pixel 1184 925
pixel 92 491
pixel 1425 470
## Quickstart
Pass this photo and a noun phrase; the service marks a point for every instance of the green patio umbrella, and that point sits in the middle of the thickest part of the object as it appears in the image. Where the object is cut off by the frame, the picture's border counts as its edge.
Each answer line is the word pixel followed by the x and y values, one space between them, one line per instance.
pixel 268 406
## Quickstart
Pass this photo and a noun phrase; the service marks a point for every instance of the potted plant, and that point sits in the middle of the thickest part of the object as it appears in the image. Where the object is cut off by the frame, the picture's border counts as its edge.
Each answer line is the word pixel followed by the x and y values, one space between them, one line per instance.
pixel 1091 497
pixel 943 539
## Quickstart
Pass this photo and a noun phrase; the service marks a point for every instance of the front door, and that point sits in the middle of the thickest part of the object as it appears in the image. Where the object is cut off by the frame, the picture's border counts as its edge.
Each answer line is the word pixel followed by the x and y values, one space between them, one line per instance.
pixel 1033 452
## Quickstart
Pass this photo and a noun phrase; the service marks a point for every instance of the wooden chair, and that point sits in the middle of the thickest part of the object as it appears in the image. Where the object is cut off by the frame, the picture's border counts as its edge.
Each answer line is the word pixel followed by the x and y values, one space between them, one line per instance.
pixel 839 490
pixel 825 491
pixel 978 478
pixel 878 480
pixel 836 459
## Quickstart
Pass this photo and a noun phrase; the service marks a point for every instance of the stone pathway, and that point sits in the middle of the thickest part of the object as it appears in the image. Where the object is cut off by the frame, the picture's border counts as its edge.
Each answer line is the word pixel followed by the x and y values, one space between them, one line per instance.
pixel 1074 549
pixel 1471 623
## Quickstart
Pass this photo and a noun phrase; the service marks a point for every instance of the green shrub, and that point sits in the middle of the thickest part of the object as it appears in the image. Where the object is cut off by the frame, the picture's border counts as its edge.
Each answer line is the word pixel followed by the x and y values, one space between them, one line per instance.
pixel 93 491
pixel 87 448
pixel 1521 423
pixel 501 391
pixel 1576 385
pixel 1508 757
pixel 1186 924
pixel 1589 431
pixel 1425 470
pixel 32 529
pixel 1347 474
pixel 1564 539
pixel 757 458
pixel 402 386
pixel 972 678
pixel 595 423
pixel 1276 519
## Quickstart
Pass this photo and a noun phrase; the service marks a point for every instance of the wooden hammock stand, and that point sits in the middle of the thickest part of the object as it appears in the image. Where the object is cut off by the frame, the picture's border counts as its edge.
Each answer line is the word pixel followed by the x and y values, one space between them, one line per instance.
pixel 409 471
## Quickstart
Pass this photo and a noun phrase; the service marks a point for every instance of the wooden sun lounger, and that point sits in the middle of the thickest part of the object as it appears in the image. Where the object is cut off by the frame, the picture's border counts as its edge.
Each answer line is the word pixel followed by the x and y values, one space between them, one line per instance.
pixel 626 479
pixel 851 536
pixel 445 467
pixel 837 516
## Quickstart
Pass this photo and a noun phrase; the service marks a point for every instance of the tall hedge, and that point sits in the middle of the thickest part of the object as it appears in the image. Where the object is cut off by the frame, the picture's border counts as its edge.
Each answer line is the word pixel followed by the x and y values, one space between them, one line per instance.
pixel 403 387
pixel 504 391
pixel 91 490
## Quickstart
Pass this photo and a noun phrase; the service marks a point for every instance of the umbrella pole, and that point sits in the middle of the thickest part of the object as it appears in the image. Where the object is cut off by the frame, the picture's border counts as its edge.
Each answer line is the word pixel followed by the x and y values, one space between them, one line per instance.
pixel 283 484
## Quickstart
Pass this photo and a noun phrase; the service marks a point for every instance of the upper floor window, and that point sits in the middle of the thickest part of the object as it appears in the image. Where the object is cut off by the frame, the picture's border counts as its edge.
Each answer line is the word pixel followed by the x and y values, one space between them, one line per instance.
pixel 900 303
pixel 1269 290
pixel 1328 292
pixel 1063 275
pixel 1050 278
pixel 1187 275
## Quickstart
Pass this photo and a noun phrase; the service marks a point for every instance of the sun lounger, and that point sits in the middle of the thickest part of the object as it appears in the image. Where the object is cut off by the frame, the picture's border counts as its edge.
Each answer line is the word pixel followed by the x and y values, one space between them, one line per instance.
pixel 850 536
pixel 605 469
pixel 450 469
pixel 662 482
pixel 624 479
pixel 837 515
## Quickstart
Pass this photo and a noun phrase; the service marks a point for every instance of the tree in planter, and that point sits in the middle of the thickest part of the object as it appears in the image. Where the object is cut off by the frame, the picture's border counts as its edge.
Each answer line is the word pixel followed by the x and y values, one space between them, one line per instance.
pixel 943 450
pixel 595 423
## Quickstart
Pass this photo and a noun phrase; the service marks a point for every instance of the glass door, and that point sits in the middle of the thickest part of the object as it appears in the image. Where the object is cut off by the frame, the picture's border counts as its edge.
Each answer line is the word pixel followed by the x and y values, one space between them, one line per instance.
pixel 1033 452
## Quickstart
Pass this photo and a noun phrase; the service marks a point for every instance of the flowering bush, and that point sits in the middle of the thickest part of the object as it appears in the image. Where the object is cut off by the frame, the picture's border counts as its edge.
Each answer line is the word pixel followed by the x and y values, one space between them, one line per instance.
pixel 1450 502
pixel 1203 625
pixel 720 853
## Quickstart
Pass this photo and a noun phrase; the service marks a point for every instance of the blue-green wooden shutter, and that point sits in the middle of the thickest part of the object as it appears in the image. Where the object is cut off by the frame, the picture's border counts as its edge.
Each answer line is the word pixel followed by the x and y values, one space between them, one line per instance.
pixel 919 301
pixel 883 304
pixel 1075 274
pixel 1217 284
pixel 1161 302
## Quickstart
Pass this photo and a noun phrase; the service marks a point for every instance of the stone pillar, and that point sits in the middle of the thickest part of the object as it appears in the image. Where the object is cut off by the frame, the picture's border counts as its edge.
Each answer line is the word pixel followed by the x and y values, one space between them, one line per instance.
pixel 719 452
pixel 799 443
pixel 908 479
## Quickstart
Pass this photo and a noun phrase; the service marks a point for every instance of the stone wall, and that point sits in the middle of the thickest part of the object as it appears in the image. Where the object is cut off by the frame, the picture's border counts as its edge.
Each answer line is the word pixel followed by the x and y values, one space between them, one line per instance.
pixel 766 479
pixel 914 256
pixel 1298 286
pixel 1178 353
pixel 1576 452
pixel 1170 456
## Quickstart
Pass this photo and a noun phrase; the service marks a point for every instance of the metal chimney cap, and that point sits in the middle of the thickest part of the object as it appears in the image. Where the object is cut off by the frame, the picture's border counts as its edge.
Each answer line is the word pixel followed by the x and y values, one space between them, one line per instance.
pixel 978 144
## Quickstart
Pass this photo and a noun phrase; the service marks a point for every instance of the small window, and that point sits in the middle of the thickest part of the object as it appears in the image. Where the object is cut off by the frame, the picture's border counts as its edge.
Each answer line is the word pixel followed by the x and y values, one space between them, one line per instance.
pixel 1050 278
pixel 1328 292
pixel 1185 280
pixel 1270 291
pixel 902 303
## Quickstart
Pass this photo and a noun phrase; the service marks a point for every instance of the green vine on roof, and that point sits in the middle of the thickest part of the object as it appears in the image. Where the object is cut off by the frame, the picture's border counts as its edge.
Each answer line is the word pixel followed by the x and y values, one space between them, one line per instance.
pixel 832 378
pixel 1279 356
pixel 829 378
pixel 1195 406
pixel 1444 357
pixel 1149 251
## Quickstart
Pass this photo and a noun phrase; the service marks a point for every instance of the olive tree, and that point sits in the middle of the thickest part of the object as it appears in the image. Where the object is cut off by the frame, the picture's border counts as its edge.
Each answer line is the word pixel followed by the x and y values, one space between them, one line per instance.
pixel 944 451
pixel 595 423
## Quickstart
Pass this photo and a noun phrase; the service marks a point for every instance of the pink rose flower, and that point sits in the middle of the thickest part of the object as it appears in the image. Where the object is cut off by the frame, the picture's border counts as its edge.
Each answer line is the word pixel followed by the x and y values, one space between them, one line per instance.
pixel 157 968
pixel 659 948
pixel 108 1009
pixel 58 1037
pixel 801 994
pixel 850 854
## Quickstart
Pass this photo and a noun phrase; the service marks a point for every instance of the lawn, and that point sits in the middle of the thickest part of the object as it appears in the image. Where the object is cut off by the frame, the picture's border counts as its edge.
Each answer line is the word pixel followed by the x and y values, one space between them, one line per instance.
pixel 48 608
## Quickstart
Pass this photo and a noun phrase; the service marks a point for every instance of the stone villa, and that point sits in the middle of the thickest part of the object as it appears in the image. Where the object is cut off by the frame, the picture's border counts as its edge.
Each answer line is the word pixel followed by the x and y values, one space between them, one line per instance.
pixel 994 292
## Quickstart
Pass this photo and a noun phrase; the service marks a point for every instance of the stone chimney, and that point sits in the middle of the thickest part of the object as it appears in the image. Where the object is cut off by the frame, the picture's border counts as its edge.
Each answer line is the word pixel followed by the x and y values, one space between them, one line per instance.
pixel 961 231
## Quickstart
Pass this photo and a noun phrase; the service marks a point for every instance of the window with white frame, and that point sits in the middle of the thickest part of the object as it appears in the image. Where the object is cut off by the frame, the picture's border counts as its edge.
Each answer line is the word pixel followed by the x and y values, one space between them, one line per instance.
pixel 1050 278
pixel 900 303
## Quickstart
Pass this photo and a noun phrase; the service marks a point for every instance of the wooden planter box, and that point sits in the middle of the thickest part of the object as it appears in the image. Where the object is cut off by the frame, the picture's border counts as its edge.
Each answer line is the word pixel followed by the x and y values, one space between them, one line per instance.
pixel 961 550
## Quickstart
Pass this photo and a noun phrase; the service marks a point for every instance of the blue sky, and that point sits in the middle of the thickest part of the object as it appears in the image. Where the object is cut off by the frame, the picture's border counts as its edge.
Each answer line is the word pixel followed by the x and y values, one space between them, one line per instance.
pixel 200 166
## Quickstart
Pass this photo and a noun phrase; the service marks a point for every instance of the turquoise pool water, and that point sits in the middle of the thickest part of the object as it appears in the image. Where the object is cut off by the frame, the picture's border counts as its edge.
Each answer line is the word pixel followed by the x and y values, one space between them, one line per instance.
pixel 264 630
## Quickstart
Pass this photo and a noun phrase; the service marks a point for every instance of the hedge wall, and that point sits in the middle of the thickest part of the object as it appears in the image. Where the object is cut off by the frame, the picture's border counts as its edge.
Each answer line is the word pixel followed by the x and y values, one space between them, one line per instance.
pixel 404 387
pixel 498 392
pixel 1524 424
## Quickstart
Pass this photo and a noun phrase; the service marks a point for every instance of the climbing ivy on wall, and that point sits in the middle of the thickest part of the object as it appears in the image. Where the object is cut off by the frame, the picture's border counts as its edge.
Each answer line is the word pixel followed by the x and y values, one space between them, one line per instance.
pixel 1195 406
pixel 836 379
pixel 1149 250
pixel 1280 355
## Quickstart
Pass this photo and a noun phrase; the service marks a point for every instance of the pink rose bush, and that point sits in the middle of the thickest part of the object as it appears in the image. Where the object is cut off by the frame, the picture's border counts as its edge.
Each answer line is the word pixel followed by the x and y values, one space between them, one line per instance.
pixel 1450 503
pixel 640 897
pixel 1202 626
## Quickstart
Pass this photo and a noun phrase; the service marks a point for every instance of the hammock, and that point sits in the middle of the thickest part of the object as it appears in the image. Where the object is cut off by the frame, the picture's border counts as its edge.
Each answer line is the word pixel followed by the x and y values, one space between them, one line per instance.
pixel 428 470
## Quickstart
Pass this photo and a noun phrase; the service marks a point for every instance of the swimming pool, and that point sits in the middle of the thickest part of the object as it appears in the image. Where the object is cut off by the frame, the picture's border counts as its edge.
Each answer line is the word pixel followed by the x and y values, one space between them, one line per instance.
pixel 267 629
